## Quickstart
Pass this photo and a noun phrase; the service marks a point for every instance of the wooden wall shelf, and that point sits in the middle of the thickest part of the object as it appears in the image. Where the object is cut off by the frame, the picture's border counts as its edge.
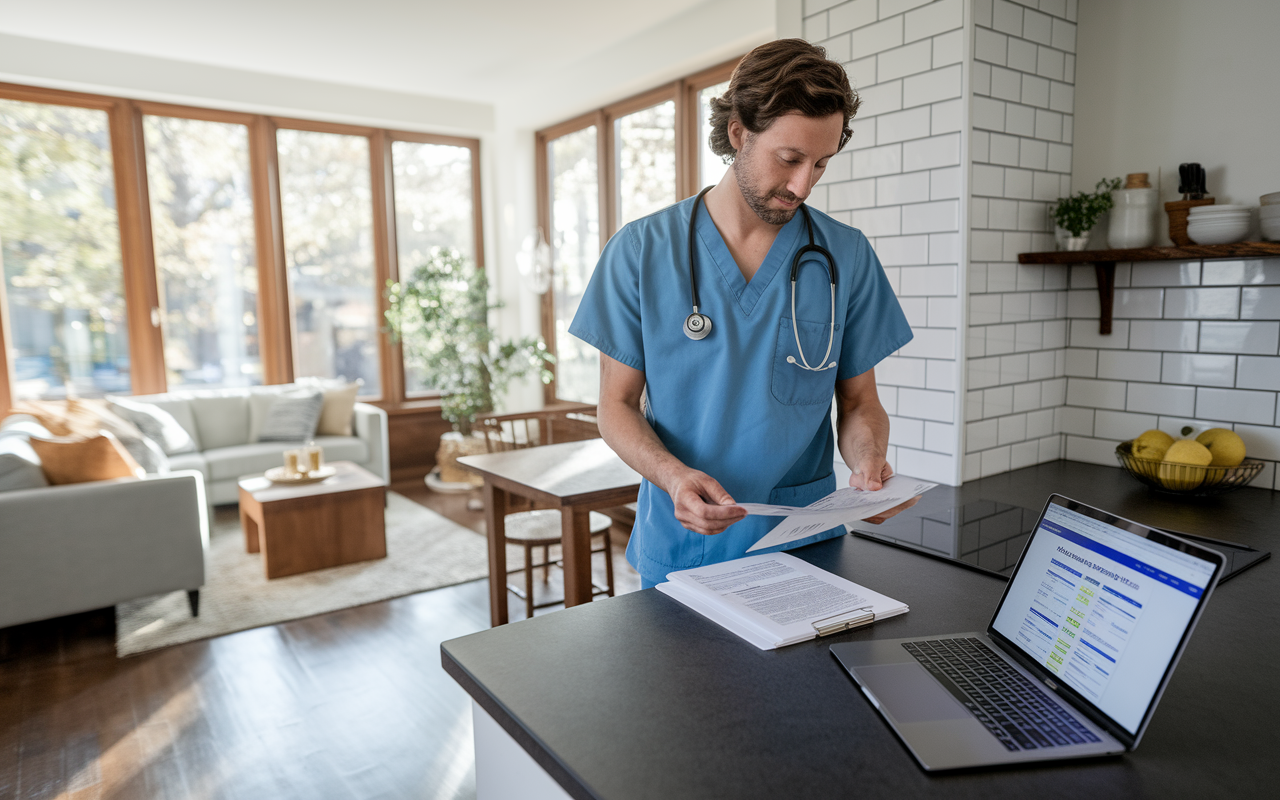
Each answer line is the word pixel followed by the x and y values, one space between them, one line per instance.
pixel 1104 262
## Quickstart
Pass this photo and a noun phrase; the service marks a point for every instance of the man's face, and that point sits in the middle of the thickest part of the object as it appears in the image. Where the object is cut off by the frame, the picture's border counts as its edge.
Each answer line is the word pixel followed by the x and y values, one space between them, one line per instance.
pixel 777 168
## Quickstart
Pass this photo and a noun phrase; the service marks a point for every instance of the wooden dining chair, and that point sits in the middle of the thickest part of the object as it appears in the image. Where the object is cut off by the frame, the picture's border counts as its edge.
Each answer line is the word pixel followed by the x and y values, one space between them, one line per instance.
pixel 539 528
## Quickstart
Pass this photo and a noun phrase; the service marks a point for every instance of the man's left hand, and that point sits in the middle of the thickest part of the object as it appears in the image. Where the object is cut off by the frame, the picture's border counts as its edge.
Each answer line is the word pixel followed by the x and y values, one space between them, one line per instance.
pixel 868 478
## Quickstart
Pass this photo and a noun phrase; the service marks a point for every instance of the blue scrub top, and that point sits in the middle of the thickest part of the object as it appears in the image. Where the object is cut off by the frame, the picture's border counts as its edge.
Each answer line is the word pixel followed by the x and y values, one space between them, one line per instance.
pixel 730 405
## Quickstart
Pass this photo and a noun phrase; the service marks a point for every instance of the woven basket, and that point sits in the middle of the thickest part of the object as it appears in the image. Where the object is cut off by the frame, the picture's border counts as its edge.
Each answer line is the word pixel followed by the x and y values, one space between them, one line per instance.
pixel 1186 479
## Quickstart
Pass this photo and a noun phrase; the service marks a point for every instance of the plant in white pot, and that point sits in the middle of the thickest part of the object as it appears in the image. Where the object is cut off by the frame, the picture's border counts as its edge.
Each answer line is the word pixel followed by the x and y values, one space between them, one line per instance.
pixel 1076 215
pixel 440 315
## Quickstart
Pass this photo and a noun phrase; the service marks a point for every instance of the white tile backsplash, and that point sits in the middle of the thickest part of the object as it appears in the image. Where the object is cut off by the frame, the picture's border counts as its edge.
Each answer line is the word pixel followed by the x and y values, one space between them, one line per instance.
pixel 1198 369
pixel 1192 342
pixel 1202 303
pixel 1251 338
pixel 1236 405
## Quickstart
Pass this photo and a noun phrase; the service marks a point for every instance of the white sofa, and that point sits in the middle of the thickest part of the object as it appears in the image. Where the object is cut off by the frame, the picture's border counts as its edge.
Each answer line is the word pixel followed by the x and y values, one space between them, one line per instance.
pixel 80 546
pixel 223 424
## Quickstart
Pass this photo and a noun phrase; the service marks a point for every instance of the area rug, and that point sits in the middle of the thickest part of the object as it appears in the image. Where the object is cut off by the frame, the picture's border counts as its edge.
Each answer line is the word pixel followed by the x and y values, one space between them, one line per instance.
pixel 424 551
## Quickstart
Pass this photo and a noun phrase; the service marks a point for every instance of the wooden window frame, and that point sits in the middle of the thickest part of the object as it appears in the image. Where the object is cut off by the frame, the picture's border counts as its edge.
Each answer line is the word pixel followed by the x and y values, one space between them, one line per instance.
pixel 140 278
pixel 685 94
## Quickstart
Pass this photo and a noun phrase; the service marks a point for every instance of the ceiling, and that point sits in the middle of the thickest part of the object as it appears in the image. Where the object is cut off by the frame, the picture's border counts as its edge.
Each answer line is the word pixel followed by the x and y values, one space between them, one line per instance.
pixel 478 50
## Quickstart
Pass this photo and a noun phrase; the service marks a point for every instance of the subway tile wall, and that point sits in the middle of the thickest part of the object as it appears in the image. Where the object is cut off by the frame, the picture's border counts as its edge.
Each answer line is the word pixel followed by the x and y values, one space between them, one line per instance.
pixel 1021 121
pixel 1193 344
pixel 899 180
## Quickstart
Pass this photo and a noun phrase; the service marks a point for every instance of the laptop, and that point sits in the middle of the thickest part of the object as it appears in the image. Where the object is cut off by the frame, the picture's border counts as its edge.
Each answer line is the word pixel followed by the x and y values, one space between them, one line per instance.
pixel 1075 658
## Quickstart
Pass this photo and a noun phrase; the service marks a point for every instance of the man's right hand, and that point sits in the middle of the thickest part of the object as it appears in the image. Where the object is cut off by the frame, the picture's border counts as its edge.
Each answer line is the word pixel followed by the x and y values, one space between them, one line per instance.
pixel 702 505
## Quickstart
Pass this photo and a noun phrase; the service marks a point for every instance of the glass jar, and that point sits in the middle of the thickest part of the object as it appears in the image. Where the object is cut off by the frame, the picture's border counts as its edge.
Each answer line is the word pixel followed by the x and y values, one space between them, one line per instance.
pixel 1133 218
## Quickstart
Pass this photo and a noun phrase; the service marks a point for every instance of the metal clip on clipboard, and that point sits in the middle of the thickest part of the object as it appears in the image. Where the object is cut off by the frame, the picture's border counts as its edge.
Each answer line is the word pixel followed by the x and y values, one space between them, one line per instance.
pixel 844 621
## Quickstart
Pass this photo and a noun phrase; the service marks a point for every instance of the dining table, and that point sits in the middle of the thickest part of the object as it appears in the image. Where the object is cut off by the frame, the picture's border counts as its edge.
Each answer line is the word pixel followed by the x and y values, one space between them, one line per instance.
pixel 573 477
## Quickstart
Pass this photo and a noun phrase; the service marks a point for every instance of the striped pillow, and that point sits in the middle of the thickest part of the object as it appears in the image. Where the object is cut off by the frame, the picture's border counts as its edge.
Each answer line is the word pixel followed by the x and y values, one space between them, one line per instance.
pixel 292 417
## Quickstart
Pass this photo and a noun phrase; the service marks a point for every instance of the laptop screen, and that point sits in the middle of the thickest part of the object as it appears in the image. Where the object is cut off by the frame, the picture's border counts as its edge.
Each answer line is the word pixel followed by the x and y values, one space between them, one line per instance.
pixel 1102 607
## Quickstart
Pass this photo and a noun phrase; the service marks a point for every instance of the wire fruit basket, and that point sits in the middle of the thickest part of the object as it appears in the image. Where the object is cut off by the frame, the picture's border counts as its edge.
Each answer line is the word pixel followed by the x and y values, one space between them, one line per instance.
pixel 1188 480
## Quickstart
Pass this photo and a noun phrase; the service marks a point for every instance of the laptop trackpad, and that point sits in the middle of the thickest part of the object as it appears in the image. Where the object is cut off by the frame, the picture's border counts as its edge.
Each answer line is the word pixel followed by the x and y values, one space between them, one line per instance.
pixel 910 694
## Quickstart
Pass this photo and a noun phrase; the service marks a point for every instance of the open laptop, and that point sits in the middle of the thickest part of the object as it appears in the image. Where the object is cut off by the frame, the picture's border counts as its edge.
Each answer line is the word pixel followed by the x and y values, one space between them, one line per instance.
pixel 1075 658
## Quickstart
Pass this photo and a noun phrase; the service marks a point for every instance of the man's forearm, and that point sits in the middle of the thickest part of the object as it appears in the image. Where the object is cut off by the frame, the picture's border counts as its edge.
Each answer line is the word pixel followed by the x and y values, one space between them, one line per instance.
pixel 863 433
pixel 625 429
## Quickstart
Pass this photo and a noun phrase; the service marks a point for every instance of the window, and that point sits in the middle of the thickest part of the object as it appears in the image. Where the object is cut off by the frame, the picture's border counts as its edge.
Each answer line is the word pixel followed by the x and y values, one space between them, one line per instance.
pixel 653 147
pixel 645 161
pixel 59 229
pixel 148 246
pixel 202 230
pixel 326 200
pixel 711 167
pixel 575 227
pixel 433 190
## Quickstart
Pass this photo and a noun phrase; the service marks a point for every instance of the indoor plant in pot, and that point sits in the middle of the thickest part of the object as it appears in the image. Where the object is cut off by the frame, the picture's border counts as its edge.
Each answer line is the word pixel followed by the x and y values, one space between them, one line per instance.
pixel 1076 215
pixel 440 315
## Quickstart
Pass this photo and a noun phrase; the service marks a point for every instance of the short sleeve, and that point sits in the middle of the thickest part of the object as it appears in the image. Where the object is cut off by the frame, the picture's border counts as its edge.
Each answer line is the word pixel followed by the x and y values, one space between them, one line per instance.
pixel 608 318
pixel 874 324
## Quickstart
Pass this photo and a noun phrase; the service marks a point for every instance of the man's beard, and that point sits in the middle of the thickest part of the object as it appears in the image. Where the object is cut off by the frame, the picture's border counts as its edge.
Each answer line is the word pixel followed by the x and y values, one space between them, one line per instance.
pixel 756 199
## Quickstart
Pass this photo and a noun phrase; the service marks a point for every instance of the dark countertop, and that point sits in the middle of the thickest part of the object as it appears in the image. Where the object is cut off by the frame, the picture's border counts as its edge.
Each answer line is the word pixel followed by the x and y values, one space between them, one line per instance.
pixel 640 697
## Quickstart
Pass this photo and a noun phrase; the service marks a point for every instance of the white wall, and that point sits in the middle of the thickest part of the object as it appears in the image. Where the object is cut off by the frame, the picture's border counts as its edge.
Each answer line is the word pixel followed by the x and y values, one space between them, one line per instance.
pixel 1161 82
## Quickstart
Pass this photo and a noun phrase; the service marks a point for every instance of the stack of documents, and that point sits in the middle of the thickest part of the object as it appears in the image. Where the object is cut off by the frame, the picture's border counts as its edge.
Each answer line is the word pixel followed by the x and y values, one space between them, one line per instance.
pixel 837 508
pixel 775 599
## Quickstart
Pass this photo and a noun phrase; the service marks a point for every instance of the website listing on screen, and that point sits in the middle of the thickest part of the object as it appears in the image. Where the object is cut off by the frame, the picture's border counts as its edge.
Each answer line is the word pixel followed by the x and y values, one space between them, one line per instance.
pixel 1102 608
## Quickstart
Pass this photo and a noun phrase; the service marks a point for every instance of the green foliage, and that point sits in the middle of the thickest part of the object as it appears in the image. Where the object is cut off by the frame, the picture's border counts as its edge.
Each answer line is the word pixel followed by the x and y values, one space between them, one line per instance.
pixel 1082 210
pixel 441 316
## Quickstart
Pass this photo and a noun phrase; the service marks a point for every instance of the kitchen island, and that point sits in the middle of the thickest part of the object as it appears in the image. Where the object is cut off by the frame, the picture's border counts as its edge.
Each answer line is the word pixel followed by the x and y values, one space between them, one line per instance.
pixel 640 697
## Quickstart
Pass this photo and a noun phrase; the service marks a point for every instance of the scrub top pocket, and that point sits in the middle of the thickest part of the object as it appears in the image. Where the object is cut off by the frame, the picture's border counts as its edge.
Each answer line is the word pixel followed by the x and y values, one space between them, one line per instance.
pixel 792 384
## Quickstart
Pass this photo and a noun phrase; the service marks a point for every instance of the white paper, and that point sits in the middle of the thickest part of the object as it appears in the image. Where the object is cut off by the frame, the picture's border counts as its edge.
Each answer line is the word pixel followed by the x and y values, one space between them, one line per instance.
pixel 772 600
pixel 841 506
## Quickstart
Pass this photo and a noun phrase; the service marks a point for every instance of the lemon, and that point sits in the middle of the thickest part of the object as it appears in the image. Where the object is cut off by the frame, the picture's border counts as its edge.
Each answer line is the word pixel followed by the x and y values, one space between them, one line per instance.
pixel 1152 445
pixel 1226 447
pixel 1184 451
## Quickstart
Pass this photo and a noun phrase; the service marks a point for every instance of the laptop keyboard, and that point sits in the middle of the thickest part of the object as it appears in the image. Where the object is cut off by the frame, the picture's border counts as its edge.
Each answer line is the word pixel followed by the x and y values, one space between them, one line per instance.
pixel 1015 710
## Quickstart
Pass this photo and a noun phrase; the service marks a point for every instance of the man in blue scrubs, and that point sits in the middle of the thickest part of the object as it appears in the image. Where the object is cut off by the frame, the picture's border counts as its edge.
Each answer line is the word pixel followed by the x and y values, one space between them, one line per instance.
pixel 744 413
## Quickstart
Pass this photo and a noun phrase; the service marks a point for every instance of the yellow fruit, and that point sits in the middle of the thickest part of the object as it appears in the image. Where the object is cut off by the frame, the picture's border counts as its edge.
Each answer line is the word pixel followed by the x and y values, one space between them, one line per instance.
pixel 1184 451
pixel 1226 447
pixel 1152 445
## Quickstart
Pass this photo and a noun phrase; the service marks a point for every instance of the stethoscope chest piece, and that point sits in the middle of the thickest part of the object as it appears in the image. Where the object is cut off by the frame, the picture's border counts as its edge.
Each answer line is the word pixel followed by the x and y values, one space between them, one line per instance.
pixel 697 326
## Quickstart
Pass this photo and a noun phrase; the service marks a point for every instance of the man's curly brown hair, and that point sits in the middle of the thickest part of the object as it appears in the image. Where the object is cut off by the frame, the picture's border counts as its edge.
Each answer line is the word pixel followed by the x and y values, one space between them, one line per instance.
pixel 778 78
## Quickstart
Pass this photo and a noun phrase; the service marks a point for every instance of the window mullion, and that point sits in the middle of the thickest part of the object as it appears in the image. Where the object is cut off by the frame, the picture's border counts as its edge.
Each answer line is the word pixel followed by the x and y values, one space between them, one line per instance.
pixel 142 296
pixel 275 346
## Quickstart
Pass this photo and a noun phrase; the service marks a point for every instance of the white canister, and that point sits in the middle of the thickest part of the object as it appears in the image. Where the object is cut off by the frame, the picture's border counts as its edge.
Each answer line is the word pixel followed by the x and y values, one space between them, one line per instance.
pixel 1133 219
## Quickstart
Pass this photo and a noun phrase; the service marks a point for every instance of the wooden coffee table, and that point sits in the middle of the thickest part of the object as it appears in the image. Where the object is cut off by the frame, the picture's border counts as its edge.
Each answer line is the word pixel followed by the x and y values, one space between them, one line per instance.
pixel 302 528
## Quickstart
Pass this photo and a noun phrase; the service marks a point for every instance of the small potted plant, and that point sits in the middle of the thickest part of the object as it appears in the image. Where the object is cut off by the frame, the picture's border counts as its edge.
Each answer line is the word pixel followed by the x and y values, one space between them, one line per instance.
pixel 440 315
pixel 1076 215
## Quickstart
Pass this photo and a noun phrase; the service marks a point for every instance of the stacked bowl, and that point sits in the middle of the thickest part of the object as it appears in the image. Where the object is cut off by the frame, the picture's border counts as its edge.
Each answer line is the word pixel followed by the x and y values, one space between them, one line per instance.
pixel 1269 216
pixel 1219 224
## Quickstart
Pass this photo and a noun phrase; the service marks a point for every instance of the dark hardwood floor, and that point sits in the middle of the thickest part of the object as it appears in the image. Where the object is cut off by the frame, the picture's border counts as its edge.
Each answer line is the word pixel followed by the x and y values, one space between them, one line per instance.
pixel 351 704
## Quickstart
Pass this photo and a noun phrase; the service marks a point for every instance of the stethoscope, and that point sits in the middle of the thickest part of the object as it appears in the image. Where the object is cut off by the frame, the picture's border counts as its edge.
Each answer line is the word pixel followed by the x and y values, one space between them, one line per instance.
pixel 697 325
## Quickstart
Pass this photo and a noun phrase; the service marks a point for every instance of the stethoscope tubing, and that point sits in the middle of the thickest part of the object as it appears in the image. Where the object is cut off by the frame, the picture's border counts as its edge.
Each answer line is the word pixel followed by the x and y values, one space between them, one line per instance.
pixel 698 325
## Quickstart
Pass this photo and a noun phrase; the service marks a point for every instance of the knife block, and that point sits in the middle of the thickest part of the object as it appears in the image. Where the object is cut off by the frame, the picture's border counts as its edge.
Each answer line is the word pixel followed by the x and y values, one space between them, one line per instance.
pixel 1178 210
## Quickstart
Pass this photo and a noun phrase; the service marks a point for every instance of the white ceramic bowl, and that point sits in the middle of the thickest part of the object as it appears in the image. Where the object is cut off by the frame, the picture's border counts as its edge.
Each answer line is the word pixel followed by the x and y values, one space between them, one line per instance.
pixel 1217 232
pixel 1196 211
pixel 1272 199
pixel 1269 211
pixel 1271 229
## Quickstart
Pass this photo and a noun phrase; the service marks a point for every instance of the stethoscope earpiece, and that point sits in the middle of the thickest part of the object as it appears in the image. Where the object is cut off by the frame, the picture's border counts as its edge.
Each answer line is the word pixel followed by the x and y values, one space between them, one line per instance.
pixel 697 326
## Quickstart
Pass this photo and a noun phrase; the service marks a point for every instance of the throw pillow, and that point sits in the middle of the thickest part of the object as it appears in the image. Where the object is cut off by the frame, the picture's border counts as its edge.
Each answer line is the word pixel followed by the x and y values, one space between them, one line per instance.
pixel 98 458
pixel 156 424
pixel 19 465
pixel 81 419
pixel 292 418
pixel 339 406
